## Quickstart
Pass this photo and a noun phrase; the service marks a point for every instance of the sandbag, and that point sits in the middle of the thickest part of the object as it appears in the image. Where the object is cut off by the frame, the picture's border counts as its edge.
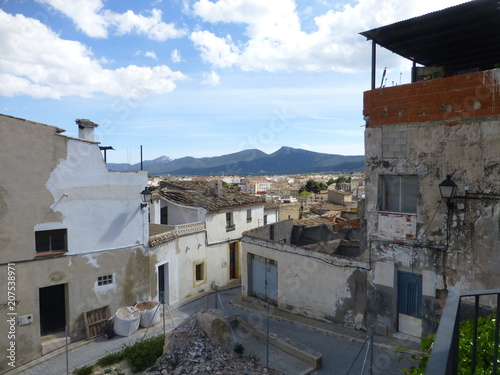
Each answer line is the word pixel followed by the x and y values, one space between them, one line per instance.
pixel 126 320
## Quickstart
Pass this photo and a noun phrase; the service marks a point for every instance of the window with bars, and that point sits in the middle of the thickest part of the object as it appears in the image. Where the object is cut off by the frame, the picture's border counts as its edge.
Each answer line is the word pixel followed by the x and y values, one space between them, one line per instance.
pixel 399 194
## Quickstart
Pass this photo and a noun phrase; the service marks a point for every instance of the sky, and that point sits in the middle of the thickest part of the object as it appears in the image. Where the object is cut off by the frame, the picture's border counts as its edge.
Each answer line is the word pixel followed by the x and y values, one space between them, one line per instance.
pixel 199 78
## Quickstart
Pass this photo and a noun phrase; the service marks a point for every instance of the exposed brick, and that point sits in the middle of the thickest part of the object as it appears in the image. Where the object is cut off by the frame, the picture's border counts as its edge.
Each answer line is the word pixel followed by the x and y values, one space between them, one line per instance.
pixel 466 95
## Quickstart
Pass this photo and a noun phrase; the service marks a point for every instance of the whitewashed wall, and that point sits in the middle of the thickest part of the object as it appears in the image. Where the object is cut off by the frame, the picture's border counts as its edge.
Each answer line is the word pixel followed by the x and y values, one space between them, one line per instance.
pixel 101 209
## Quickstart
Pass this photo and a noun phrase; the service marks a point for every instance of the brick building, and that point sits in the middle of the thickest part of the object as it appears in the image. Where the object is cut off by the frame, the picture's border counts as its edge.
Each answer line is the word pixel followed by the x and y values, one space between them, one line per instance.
pixel 446 122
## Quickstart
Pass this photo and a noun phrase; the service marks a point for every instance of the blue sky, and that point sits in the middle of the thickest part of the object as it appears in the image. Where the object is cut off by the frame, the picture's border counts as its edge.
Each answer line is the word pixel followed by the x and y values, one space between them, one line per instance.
pixel 198 77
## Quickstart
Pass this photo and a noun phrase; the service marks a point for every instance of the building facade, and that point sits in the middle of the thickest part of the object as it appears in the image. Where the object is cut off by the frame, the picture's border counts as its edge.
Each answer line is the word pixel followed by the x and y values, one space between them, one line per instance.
pixel 197 247
pixel 72 236
pixel 416 135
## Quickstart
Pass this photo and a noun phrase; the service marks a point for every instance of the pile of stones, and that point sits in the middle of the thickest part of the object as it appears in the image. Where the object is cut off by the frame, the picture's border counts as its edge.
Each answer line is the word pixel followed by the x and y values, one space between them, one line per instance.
pixel 202 345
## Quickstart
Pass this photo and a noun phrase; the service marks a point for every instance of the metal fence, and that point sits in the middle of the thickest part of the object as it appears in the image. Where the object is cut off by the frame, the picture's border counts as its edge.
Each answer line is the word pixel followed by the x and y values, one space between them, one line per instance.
pixel 444 358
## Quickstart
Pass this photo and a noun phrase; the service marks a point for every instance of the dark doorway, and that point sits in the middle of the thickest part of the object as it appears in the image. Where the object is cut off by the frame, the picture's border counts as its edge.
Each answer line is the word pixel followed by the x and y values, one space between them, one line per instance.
pixel 52 309
pixel 232 260
pixel 164 215
pixel 163 287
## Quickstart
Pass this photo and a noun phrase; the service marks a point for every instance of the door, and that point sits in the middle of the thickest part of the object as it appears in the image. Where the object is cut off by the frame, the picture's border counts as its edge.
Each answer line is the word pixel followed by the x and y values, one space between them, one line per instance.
pixel 163 284
pixel 409 303
pixel 52 306
pixel 264 279
pixel 232 261
pixel 164 215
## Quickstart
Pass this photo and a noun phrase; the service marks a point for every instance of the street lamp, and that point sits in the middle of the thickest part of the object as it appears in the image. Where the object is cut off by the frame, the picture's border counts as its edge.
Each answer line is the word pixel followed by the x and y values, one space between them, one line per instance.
pixel 146 197
pixel 447 189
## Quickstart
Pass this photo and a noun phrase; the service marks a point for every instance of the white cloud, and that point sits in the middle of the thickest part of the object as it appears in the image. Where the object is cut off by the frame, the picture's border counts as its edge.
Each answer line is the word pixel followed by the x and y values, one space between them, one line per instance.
pixel 211 79
pixel 37 62
pixel 175 56
pixel 276 41
pixel 92 19
pixel 151 54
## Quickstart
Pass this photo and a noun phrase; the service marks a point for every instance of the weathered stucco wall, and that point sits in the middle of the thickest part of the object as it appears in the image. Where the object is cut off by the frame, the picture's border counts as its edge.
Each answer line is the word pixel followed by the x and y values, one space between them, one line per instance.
pixel 79 274
pixel 49 181
pixel 459 247
pixel 312 284
pixel 181 254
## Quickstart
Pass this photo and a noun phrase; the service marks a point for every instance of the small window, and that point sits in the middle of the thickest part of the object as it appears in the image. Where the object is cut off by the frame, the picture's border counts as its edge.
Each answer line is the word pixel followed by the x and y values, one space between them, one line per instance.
pixel 105 280
pixel 199 272
pixel 229 221
pixel 49 241
pixel 249 216
pixel 399 194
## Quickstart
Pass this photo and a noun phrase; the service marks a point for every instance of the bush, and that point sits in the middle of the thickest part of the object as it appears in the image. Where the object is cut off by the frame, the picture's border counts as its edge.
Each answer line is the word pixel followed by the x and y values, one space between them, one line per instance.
pixel 143 354
pixel 484 350
pixel 111 359
pixel 85 370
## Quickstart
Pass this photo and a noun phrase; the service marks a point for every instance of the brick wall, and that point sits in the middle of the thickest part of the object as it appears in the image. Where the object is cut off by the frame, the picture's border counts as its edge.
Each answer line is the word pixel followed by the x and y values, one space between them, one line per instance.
pixel 447 99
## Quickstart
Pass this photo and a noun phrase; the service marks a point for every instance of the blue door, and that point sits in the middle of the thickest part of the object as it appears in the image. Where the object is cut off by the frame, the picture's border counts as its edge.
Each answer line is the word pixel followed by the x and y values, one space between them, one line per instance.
pixel 410 294
pixel 264 279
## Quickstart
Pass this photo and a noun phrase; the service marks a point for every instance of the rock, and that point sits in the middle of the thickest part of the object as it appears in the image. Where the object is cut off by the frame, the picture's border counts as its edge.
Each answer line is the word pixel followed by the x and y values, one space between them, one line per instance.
pixel 201 345
pixel 214 324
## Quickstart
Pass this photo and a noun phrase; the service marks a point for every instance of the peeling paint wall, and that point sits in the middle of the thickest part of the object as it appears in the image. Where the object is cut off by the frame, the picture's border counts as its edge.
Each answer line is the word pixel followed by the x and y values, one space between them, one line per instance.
pixel 49 181
pixel 181 254
pixel 313 284
pixel 456 247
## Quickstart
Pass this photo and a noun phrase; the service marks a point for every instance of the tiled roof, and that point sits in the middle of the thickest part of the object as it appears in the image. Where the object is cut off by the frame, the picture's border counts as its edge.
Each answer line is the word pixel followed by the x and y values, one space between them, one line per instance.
pixel 313 222
pixel 197 194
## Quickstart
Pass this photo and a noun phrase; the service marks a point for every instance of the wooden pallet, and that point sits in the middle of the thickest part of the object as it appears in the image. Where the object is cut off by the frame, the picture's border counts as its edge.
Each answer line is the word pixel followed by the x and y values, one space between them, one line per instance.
pixel 96 321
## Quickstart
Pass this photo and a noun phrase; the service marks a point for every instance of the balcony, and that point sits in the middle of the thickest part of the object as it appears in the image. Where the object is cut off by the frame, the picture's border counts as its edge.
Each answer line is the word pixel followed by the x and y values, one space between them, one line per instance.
pixel 444 358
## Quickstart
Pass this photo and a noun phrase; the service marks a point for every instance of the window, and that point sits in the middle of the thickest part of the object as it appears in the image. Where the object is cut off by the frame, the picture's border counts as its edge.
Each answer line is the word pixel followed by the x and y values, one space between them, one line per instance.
pixel 48 241
pixel 229 221
pixel 399 194
pixel 105 280
pixel 249 216
pixel 199 272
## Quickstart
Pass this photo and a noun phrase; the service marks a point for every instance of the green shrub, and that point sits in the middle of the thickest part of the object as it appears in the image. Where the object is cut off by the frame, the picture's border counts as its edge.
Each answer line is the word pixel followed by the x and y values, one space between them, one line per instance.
pixel 239 349
pixel 143 354
pixel 111 359
pixel 485 347
pixel 85 370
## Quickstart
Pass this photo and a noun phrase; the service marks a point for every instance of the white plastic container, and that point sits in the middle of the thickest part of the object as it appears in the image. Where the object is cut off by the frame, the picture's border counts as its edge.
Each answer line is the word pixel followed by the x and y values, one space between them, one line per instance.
pixel 150 313
pixel 126 320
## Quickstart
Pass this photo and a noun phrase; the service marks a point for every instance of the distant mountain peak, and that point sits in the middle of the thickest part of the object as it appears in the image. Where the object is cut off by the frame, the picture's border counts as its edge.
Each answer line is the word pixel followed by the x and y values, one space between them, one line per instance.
pixel 286 160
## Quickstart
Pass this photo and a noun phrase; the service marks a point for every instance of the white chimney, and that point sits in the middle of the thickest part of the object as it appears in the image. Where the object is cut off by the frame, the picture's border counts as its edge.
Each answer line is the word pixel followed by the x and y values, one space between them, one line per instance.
pixel 86 129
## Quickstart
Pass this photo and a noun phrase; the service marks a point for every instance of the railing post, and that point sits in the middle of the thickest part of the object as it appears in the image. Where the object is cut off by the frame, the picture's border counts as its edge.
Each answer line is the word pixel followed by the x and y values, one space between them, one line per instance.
pixel 440 362
pixel 497 326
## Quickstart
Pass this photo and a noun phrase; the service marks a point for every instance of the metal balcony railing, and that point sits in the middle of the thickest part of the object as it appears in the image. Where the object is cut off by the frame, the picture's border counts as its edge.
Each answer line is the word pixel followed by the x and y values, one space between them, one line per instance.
pixel 444 358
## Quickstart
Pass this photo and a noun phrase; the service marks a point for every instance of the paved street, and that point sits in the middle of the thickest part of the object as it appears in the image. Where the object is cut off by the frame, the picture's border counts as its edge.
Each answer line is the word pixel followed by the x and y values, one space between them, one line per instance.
pixel 339 351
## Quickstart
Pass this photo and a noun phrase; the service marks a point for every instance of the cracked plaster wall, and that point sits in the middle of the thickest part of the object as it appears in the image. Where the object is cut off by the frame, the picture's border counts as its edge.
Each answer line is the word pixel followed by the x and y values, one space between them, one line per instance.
pixel 470 152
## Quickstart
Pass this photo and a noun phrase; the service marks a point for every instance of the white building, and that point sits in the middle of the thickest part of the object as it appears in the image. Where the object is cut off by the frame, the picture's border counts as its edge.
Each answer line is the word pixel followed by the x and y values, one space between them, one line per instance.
pixel 72 235
pixel 199 225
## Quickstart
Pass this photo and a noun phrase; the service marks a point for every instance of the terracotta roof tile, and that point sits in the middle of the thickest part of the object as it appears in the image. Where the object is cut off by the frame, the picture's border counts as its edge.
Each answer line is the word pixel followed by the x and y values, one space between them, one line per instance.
pixel 197 194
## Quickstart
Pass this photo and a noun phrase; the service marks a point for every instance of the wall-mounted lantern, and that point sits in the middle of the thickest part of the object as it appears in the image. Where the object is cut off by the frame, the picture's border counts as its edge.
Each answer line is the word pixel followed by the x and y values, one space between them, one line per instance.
pixel 146 197
pixel 447 188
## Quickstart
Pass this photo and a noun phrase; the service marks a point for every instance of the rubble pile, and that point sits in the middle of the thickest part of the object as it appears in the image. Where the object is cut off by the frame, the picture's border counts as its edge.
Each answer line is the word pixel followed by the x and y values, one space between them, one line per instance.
pixel 202 345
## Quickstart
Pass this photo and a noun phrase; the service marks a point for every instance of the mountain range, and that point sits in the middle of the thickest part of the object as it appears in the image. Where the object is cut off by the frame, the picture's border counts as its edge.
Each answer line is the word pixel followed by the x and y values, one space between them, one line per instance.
pixel 286 160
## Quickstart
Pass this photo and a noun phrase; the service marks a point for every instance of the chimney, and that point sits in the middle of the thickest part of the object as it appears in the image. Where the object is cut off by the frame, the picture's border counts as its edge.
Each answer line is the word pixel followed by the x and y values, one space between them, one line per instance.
pixel 86 129
pixel 216 188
